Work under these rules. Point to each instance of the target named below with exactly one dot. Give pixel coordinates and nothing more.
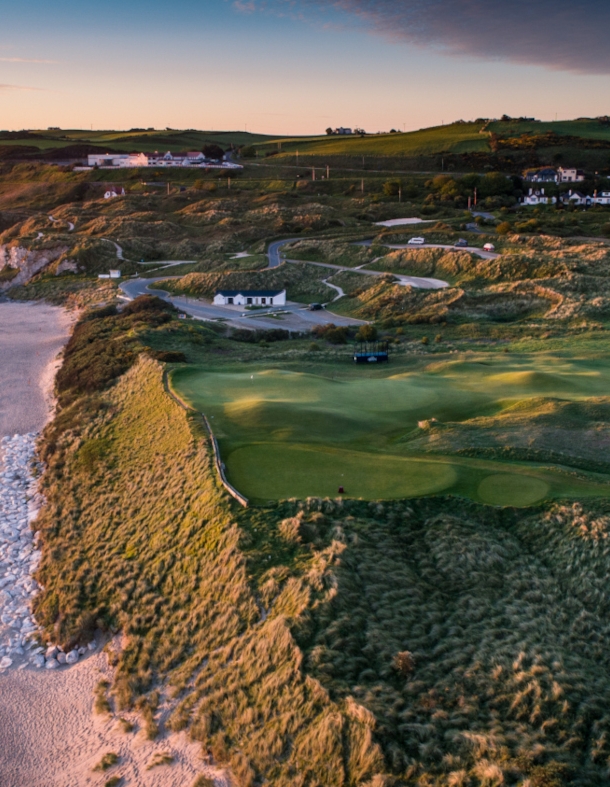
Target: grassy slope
(586, 128)
(456, 138)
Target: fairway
(286, 434)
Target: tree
(329, 131)
(366, 333)
(249, 151)
(213, 152)
(392, 187)
(503, 228)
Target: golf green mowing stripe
(278, 471)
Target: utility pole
(313, 173)
(228, 183)
(327, 172)
(475, 197)
(297, 158)
(168, 188)
(400, 193)
(362, 185)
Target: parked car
(315, 307)
(489, 247)
(416, 241)
(461, 243)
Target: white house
(115, 191)
(570, 175)
(576, 198)
(250, 298)
(538, 197)
(603, 198)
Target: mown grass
(285, 434)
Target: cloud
(567, 35)
(20, 87)
(25, 60)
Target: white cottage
(250, 298)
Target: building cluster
(538, 197)
(138, 160)
(551, 175)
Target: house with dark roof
(545, 175)
(250, 298)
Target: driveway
(292, 317)
(419, 282)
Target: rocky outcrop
(27, 263)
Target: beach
(49, 735)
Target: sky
(295, 67)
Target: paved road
(486, 255)
(273, 252)
(292, 317)
(419, 282)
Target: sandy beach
(49, 735)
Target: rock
(51, 652)
(61, 657)
(92, 645)
(51, 664)
(5, 662)
(72, 657)
(38, 661)
(82, 651)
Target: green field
(286, 434)
(454, 138)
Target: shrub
(424, 340)
(392, 187)
(108, 760)
(203, 781)
(168, 356)
(147, 303)
(366, 333)
(331, 333)
(606, 230)
(404, 663)
(503, 228)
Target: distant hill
(509, 145)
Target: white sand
(49, 736)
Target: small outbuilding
(250, 298)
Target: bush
(391, 188)
(108, 760)
(331, 333)
(168, 356)
(147, 303)
(503, 228)
(366, 333)
(606, 230)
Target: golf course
(285, 433)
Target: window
(263, 300)
(249, 301)
(230, 301)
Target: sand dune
(49, 736)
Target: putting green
(285, 433)
(506, 489)
(277, 471)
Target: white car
(489, 247)
(416, 241)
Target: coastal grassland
(284, 433)
(432, 641)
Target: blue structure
(371, 352)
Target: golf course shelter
(250, 298)
(371, 352)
